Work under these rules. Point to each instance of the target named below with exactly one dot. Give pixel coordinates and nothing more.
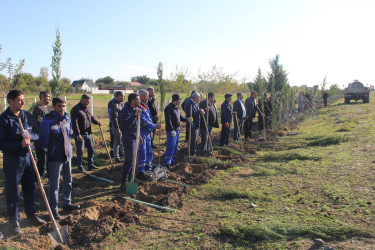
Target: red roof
(136, 84)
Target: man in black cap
(172, 126)
(226, 120)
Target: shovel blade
(55, 238)
(131, 187)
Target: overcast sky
(128, 38)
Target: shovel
(189, 142)
(105, 143)
(58, 235)
(208, 135)
(238, 129)
(132, 186)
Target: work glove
(173, 133)
(227, 124)
(190, 119)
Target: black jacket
(81, 119)
(173, 117)
(226, 113)
(251, 107)
(128, 123)
(213, 119)
(184, 103)
(115, 111)
(38, 114)
(153, 106)
(237, 107)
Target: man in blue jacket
(17, 164)
(194, 119)
(128, 125)
(54, 135)
(145, 153)
(172, 126)
(226, 120)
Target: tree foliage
(105, 82)
(162, 84)
(178, 81)
(259, 82)
(57, 87)
(141, 79)
(12, 70)
(278, 77)
(44, 72)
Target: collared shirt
(243, 108)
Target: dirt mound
(192, 174)
(96, 220)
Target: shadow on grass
(323, 142)
(288, 157)
(245, 235)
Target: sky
(122, 39)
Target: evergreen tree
(56, 84)
(277, 74)
(259, 83)
(161, 84)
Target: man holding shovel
(192, 111)
(239, 109)
(226, 120)
(172, 126)
(55, 134)
(251, 109)
(17, 163)
(128, 126)
(212, 121)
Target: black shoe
(82, 170)
(168, 167)
(93, 167)
(35, 220)
(69, 208)
(117, 160)
(145, 176)
(153, 146)
(56, 215)
(14, 227)
(111, 154)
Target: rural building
(87, 85)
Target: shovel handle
(136, 147)
(42, 189)
(106, 147)
(239, 130)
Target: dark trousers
(86, 142)
(111, 136)
(193, 141)
(187, 131)
(204, 138)
(268, 121)
(41, 157)
(224, 135)
(154, 120)
(129, 146)
(19, 169)
(248, 127)
(237, 133)
(260, 123)
(325, 102)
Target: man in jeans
(81, 124)
(55, 134)
(212, 121)
(38, 114)
(116, 107)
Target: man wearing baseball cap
(172, 126)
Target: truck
(355, 91)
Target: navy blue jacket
(10, 132)
(55, 133)
(128, 122)
(195, 110)
(226, 113)
(251, 107)
(173, 117)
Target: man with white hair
(145, 153)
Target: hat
(228, 95)
(150, 88)
(176, 97)
(265, 94)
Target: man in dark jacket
(172, 126)
(81, 124)
(55, 135)
(240, 114)
(39, 112)
(116, 107)
(226, 120)
(194, 119)
(251, 109)
(128, 126)
(17, 164)
(212, 121)
(183, 106)
(153, 106)
(267, 110)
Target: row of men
(50, 128)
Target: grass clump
(230, 194)
(250, 234)
(228, 151)
(289, 157)
(327, 141)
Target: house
(89, 86)
(126, 90)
